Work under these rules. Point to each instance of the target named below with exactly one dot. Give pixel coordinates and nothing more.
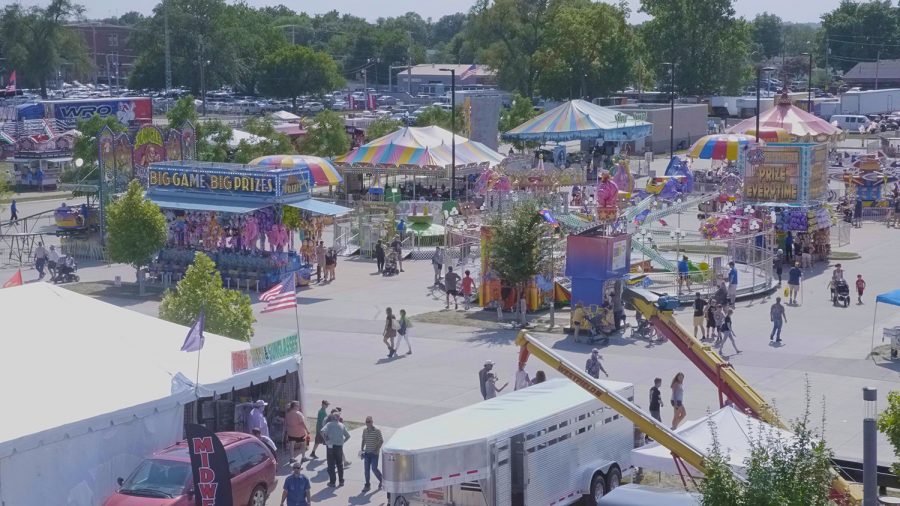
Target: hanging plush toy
(213, 235)
(249, 233)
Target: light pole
(759, 71)
(671, 66)
(452, 129)
(870, 448)
(809, 84)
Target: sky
(797, 11)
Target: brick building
(109, 49)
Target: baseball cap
(488, 362)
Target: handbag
(787, 291)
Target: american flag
(281, 296)
(469, 72)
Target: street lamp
(870, 448)
(759, 71)
(809, 84)
(671, 66)
(452, 129)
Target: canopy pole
(874, 316)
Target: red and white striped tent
(800, 125)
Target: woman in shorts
(678, 400)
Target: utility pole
(870, 448)
(168, 48)
(877, 65)
(452, 130)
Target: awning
(320, 207)
(225, 206)
(892, 298)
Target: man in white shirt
(522, 379)
(52, 261)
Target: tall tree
(136, 228)
(184, 110)
(86, 145)
(326, 136)
(269, 141)
(860, 31)
(768, 34)
(381, 127)
(37, 43)
(227, 312)
(297, 70)
(704, 39)
(521, 110)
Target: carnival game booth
(414, 162)
(96, 388)
(251, 220)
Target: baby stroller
(65, 270)
(840, 293)
(390, 264)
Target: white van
(850, 123)
(548, 444)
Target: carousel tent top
(579, 119)
(421, 146)
(800, 125)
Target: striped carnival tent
(322, 171)
(721, 146)
(800, 125)
(579, 119)
(423, 147)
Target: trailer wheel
(613, 478)
(598, 490)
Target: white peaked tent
(91, 388)
(734, 429)
(285, 116)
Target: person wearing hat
(296, 488)
(482, 377)
(594, 366)
(320, 422)
(335, 434)
(258, 418)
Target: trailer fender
(587, 472)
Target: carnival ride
(733, 389)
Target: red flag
(11, 87)
(15, 280)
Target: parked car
(313, 107)
(340, 105)
(165, 478)
(850, 123)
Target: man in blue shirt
(683, 273)
(732, 282)
(296, 488)
(794, 283)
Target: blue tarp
(892, 298)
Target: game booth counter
(258, 223)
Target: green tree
(227, 312)
(296, 70)
(184, 110)
(326, 136)
(768, 33)
(516, 248)
(270, 142)
(381, 127)
(704, 39)
(86, 145)
(213, 137)
(519, 112)
(889, 424)
(800, 37)
(136, 228)
(846, 31)
(37, 44)
(719, 485)
(438, 116)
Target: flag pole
(202, 325)
(297, 305)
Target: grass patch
(101, 289)
(844, 255)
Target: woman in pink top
(296, 431)
(468, 286)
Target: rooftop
(868, 70)
(430, 69)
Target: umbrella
(322, 171)
(720, 146)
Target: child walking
(860, 288)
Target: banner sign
(229, 179)
(776, 179)
(209, 464)
(261, 355)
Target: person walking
(40, 259)
(857, 212)
(860, 288)
(711, 330)
(258, 417)
(335, 434)
(403, 332)
(468, 289)
(728, 332)
(699, 307)
(52, 261)
(732, 283)
(684, 273)
(778, 317)
(397, 246)
(451, 282)
(296, 490)
(789, 246)
(721, 295)
(437, 263)
(390, 332)
(482, 377)
(321, 416)
(370, 450)
(522, 379)
(379, 255)
(593, 366)
(320, 261)
(719, 317)
(330, 264)
(794, 279)
(490, 386)
(13, 211)
(656, 400)
(778, 264)
(296, 431)
(678, 400)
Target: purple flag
(194, 339)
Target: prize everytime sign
(209, 463)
